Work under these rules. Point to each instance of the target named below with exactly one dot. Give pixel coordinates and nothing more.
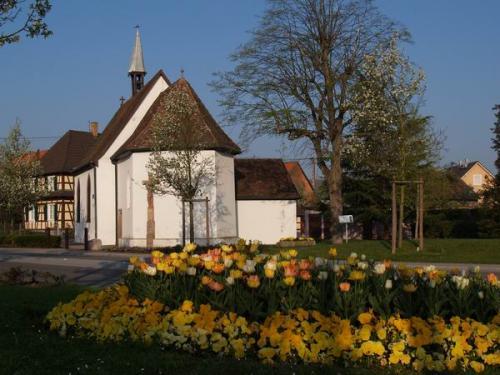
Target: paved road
(98, 268)
(80, 267)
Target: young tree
(176, 165)
(296, 75)
(390, 138)
(18, 171)
(492, 194)
(16, 20)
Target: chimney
(94, 128)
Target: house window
(51, 183)
(88, 199)
(51, 217)
(477, 179)
(31, 214)
(78, 201)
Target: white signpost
(346, 219)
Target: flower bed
(311, 310)
(256, 286)
(434, 344)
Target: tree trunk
(401, 217)
(335, 192)
(191, 222)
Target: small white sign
(346, 219)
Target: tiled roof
(118, 122)
(302, 184)
(67, 153)
(263, 179)
(212, 135)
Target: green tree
(19, 168)
(491, 195)
(18, 17)
(390, 138)
(176, 165)
(296, 77)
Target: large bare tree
(296, 74)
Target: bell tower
(136, 70)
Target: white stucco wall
(82, 224)
(168, 208)
(267, 220)
(105, 170)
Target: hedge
(30, 240)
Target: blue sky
(79, 74)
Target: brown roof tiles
(263, 179)
(67, 153)
(214, 138)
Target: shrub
(31, 240)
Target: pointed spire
(136, 70)
(137, 59)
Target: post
(401, 217)
(417, 212)
(183, 223)
(394, 218)
(191, 221)
(86, 239)
(207, 219)
(346, 234)
(322, 227)
(421, 215)
(66, 238)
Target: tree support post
(421, 214)
(394, 218)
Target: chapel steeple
(136, 70)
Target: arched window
(78, 201)
(88, 199)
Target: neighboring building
(55, 210)
(243, 200)
(266, 200)
(311, 222)
(474, 175)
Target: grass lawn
(26, 347)
(436, 250)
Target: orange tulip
(344, 287)
(215, 286)
(218, 268)
(492, 278)
(305, 275)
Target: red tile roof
(67, 153)
(263, 179)
(214, 138)
(302, 184)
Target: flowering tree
(491, 195)
(296, 76)
(16, 20)
(390, 139)
(176, 165)
(18, 170)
